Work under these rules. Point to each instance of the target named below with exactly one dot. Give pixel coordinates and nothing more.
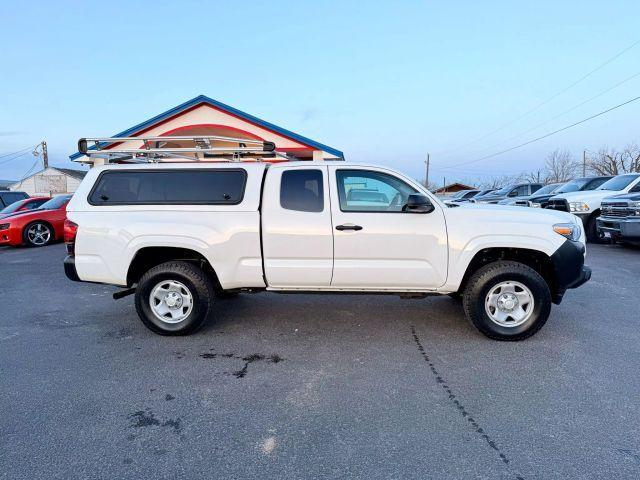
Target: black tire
(485, 279)
(198, 285)
(43, 228)
(592, 231)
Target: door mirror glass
(418, 203)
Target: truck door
(377, 245)
(296, 227)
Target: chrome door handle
(348, 226)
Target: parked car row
(587, 204)
(33, 221)
(467, 196)
(609, 206)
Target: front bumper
(10, 236)
(628, 228)
(569, 268)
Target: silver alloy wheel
(39, 234)
(171, 301)
(509, 304)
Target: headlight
(578, 207)
(535, 205)
(568, 230)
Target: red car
(23, 206)
(36, 228)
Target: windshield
(573, 185)
(503, 191)
(547, 189)
(55, 203)
(460, 194)
(13, 207)
(618, 183)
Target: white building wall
(50, 181)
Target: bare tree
(612, 162)
(536, 176)
(499, 181)
(431, 186)
(560, 166)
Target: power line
(548, 134)
(562, 113)
(544, 102)
(9, 160)
(19, 151)
(29, 171)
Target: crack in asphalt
(458, 405)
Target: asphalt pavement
(315, 386)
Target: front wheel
(174, 298)
(37, 234)
(591, 231)
(507, 300)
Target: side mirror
(418, 203)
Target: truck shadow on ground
(316, 312)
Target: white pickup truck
(180, 235)
(586, 204)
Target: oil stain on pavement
(248, 360)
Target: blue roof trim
(204, 99)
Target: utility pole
(584, 163)
(45, 155)
(426, 178)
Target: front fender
(461, 253)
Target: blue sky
(385, 82)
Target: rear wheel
(507, 300)
(37, 234)
(174, 298)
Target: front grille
(561, 205)
(615, 209)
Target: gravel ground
(315, 386)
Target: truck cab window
(369, 191)
(302, 190)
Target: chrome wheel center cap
(173, 300)
(507, 302)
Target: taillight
(70, 232)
